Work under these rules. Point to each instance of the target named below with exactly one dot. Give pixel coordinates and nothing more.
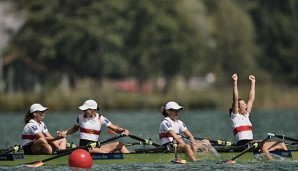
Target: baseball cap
(37, 107)
(89, 104)
(173, 105)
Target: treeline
(149, 39)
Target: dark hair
(231, 109)
(163, 111)
(28, 117)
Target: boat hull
(117, 158)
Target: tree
(233, 37)
(277, 35)
(72, 37)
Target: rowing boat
(152, 155)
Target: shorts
(84, 142)
(27, 148)
(243, 142)
(170, 146)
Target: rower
(242, 127)
(171, 128)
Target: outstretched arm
(251, 95)
(235, 93)
(71, 130)
(119, 130)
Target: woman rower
(171, 128)
(36, 138)
(242, 127)
(89, 123)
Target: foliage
(150, 39)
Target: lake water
(210, 124)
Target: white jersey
(90, 127)
(31, 128)
(168, 124)
(242, 126)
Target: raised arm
(235, 93)
(251, 95)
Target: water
(208, 124)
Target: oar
(41, 162)
(149, 142)
(254, 145)
(12, 149)
(285, 137)
(176, 159)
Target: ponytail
(163, 111)
(28, 117)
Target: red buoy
(80, 159)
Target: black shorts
(27, 148)
(243, 142)
(84, 142)
(169, 146)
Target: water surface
(212, 124)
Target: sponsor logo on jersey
(34, 127)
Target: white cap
(37, 107)
(89, 104)
(173, 105)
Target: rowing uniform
(29, 132)
(168, 124)
(90, 127)
(31, 128)
(242, 127)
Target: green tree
(73, 37)
(276, 24)
(232, 49)
(164, 39)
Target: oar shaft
(218, 142)
(6, 152)
(240, 154)
(143, 140)
(13, 149)
(286, 138)
(249, 148)
(70, 151)
(111, 139)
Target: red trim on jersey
(242, 128)
(29, 137)
(90, 131)
(164, 135)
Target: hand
(235, 77)
(125, 132)
(61, 134)
(252, 78)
